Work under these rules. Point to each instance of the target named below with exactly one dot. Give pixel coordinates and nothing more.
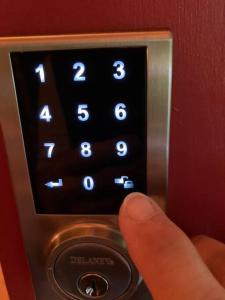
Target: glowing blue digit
(120, 111)
(86, 149)
(83, 114)
(40, 70)
(121, 148)
(80, 67)
(120, 70)
(45, 114)
(88, 183)
(50, 147)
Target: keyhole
(92, 290)
(93, 285)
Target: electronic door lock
(89, 118)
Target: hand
(173, 267)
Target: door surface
(197, 161)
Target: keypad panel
(83, 115)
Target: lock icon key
(128, 184)
(125, 182)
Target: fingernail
(138, 207)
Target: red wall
(197, 152)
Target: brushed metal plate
(38, 230)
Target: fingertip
(127, 200)
(137, 207)
(162, 252)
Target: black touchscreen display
(83, 115)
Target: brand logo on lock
(81, 260)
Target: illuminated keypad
(83, 116)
